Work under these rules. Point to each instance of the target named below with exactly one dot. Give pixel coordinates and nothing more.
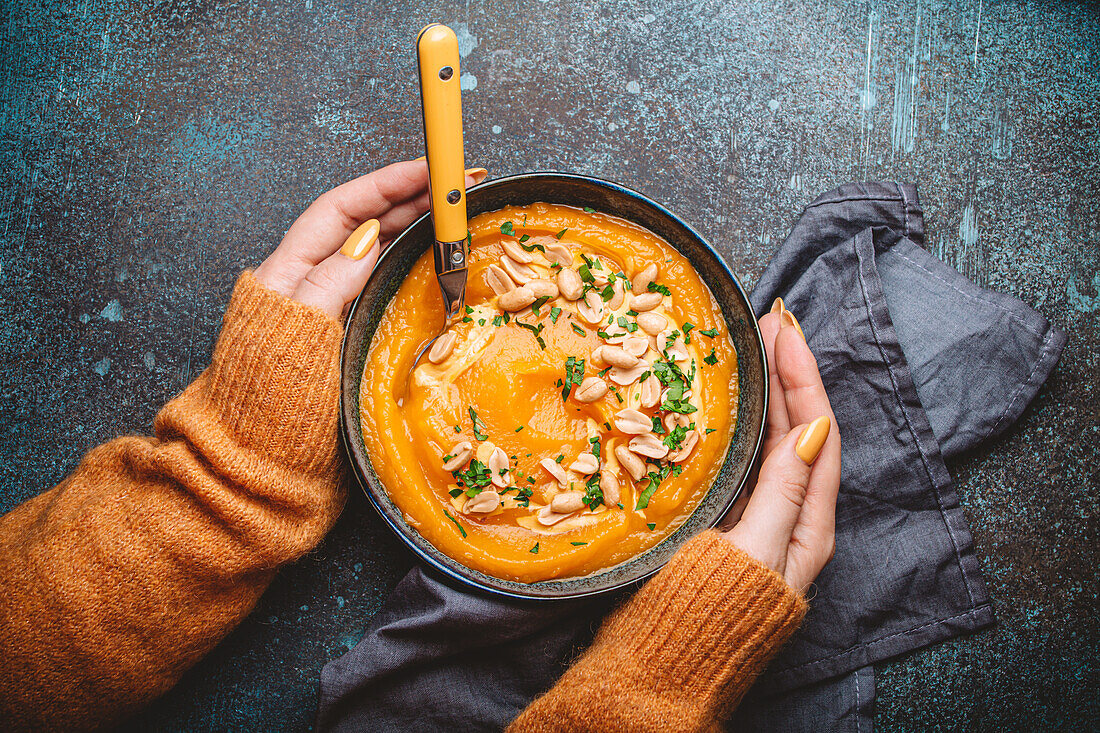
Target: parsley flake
(455, 521)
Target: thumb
(335, 281)
(765, 529)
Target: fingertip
(812, 439)
(362, 240)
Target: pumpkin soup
(577, 413)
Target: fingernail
(361, 241)
(812, 439)
(478, 174)
(786, 318)
(777, 306)
(422, 157)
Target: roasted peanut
(652, 323)
(512, 249)
(641, 281)
(498, 468)
(460, 453)
(516, 300)
(498, 280)
(651, 391)
(633, 465)
(518, 271)
(624, 377)
(646, 301)
(568, 502)
(543, 288)
(633, 422)
(681, 454)
(586, 464)
(485, 502)
(559, 254)
(590, 390)
(442, 347)
(616, 356)
(569, 284)
(553, 468)
(648, 445)
(609, 485)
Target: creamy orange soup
(574, 417)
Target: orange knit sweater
(117, 580)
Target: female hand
(789, 520)
(318, 265)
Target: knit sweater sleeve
(681, 653)
(117, 580)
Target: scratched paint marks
(903, 126)
(1002, 134)
(868, 95)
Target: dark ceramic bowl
(580, 191)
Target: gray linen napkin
(919, 362)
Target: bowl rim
(452, 573)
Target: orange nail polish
(478, 174)
(812, 439)
(362, 240)
(777, 306)
(422, 157)
(786, 318)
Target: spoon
(437, 58)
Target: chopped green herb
(524, 238)
(675, 438)
(560, 458)
(654, 480)
(554, 313)
(712, 332)
(534, 550)
(537, 330)
(458, 428)
(561, 234)
(586, 274)
(652, 525)
(688, 325)
(478, 424)
(519, 428)
(632, 312)
(608, 292)
(593, 494)
(469, 310)
(507, 229)
(454, 492)
(476, 477)
(531, 247)
(578, 544)
(656, 288)
(587, 210)
(467, 319)
(498, 321)
(539, 302)
(710, 430)
(481, 321)
(578, 329)
(574, 375)
(658, 427)
(711, 358)
(455, 521)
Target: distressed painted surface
(151, 151)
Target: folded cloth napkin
(919, 364)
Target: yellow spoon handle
(437, 56)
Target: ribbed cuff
(274, 378)
(709, 622)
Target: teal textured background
(150, 151)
